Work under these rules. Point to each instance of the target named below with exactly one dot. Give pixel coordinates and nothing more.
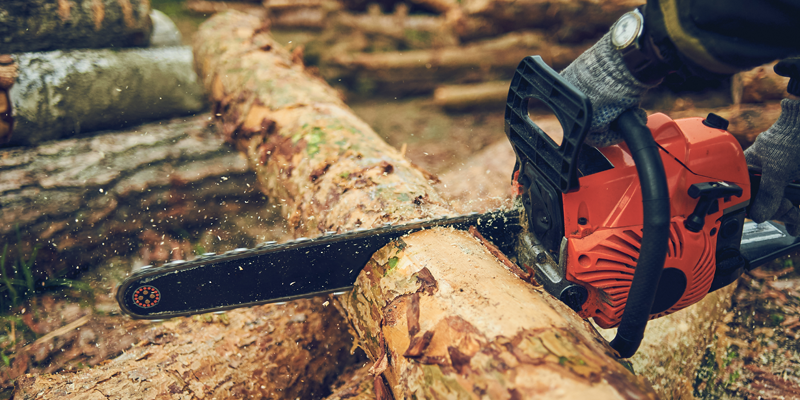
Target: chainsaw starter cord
(655, 232)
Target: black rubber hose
(655, 233)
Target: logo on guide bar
(146, 296)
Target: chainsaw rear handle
(556, 164)
(655, 232)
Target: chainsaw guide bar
(273, 272)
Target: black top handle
(557, 163)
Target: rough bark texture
(83, 201)
(62, 94)
(421, 71)
(266, 352)
(41, 25)
(758, 85)
(565, 20)
(328, 168)
(446, 330)
(443, 319)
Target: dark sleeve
(726, 36)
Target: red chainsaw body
(603, 219)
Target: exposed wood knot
(319, 171)
(459, 360)
(428, 284)
(421, 199)
(418, 345)
(386, 167)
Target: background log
(40, 25)
(462, 97)
(747, 120)
(421, 71)
(758, 85)
(84, 201)
(330, 168)
(62, 94)
(273, 351)
(8, 75)
(566, 21)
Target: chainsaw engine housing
(603, 219)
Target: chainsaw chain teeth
(269, 246)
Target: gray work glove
(602, 75)
(777, 152)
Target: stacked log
(84, 201)
(42, 25)
(89, 79)
(392, 48)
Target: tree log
(62, 94)
(421, 71)
(567, 21)
(273, 351)
(84, 201)
(444, 330)
(211, 7)
(461, 97)
(747, 120)
(410, 31)
(8, 75)
(758, 85)
(41, 25)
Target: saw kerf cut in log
(330, 170)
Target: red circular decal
(146, 296)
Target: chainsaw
(621, 234)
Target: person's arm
(708, 38)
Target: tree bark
(436, 312)
(421, 71)
(8, 75)
(83, 201)
(758, 85)
(567, 21)
(41, 25)
(273, 351)
(62, 94)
